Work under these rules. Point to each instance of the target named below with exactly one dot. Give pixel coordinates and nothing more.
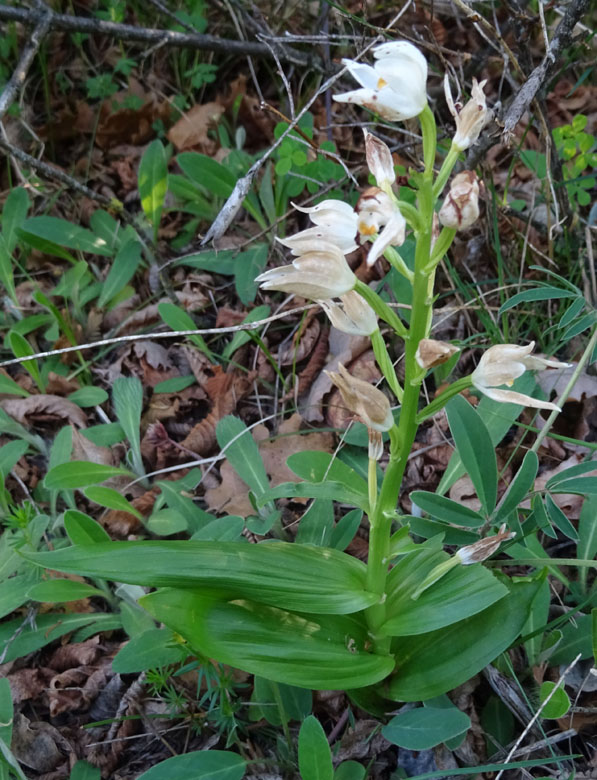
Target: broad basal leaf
(433, 663)
(306, 579)
(463, 591)
(303, 650)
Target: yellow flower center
(367, 230)
(381, 83)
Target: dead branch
(129, 32)
(528, 91)
(17, 79)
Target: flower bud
(471, 119)
(431, 353)
(363, 399)
(461, 206)
(484, 548)
(354, 316)
(379, 160)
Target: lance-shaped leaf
(307, 579)
(431, 664)
(308, 651)
(463, 591)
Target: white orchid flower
(395, 86)
(335, 222)
(502, 364)
(469, 119)
(320, 272)
(353, 315)
(376, 210)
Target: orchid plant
(414, 621)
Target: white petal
(392, 235)
(402, 50)
(512, 397)
(364, 74)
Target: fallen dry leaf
(232, 495)
(84, 449)
(190, 132)
(44, 408)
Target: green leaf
(10, 454)
(221, 529)
(350, 770)
(123, 269)
(14, 593)
(80, 474)
(84, 771)
(462, 592)
(82, 529)
(208, 173)
(153, 183)
(309, 579)
(88, 396)
(112, 499)
(64, 234)
(538, 617)
(574, 471)
(10, 387)
(56, 591)
(316, 525)
(558, 705)
(242, 453)
(576, 638)
(19, 638)
(296, 702)
(431, 664)
(303, 650)
(149, 650)
(165, 522)
(346, 529)
(446, 510)
(242, 336)
(474, 445)
(178, 319)
(425, 727)
(336, 491)
(314, 754)
(536, 294)
(199, 765)
(6, 711)
(175, 385)
(558, 517)
(586, 547)
(498, 418)
(519, 487)
(579, 485)
(20, 347)
(316, 466)
(249, 264)
(127, 399)
(498, 723)
(14, 214)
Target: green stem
(372, 483)
(385, 363)
(381, 308)
(403, 436)
(429, 131)
(445, 171)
